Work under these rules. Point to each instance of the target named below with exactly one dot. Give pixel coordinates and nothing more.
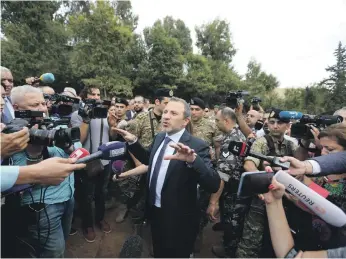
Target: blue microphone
(290, 115)
(114, 150)
(47, 78)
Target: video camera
(233, 99)
(45, 134)
(301, 129)
(94, 109)
(60, 105)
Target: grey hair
(4, 69)
(43, 88)
(187, 111)
(18, 93)
(229, 113)
(343, 109)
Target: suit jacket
(179, 191)
(332, 163)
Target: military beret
(275, 113)
(163, 92)
(197, 101)
(121, 100)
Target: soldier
(138, 104)
(206, 130)
(255, 232)
(229, 168)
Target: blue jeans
(56, 227)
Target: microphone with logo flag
(118, 167)
(114, 150)
(79, 153)
(46, 78)
(132, 247)
(243, 150)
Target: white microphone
(323, 208)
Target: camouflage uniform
(255, 232)
(141, 127)
(230, 168)
(207, 131)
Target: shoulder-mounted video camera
(233, 99)
(45, 134)
(62, 104)
(302, 129)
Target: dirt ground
(109, 245)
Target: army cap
(197, 101)
(274, 114)
(163, 92)
(121, 100)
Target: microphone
(118, 167)
(323, 208)
(114, 150)
(79, 153)
(132, 247)
(243, 150)
(288, 115)
(47, 78)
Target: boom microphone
(290, 115)
(323, 208)
(242, 149)
(114, 150)
(132, 248)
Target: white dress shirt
(164, 166)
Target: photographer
(44, 213)
(92, 182)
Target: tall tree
(35, 42)
(337, 79)
(214, 41)
(123, 10)
(100, 51)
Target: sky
(292, 39)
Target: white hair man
(7, 84)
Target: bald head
(252, 117)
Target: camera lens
(42, 137)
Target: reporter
(280, 234)
(14, 142)
(59, 169)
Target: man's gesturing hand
(184, 153)
(52, 171)
(125, 134)
(14, 142)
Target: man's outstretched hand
(125, 134)
(184, 153)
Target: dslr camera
(301, 129)
(233, 99)
(94, 109)
(45, 134)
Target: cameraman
(93, 133)
(44, 213)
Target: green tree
(214, 41)
(123, 10)
(100, 49)
(337, 79)
(35, 41)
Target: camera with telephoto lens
(45, 134)
(94, 109)
(60, 104)
(302, 129)
(233, 99)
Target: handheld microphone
(79, 153)
(323, 208)
(118, 167)
(288, 115)
(47, 78)
(242, 149)
(132, 247)
(114, 150)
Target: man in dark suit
(177, 163)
